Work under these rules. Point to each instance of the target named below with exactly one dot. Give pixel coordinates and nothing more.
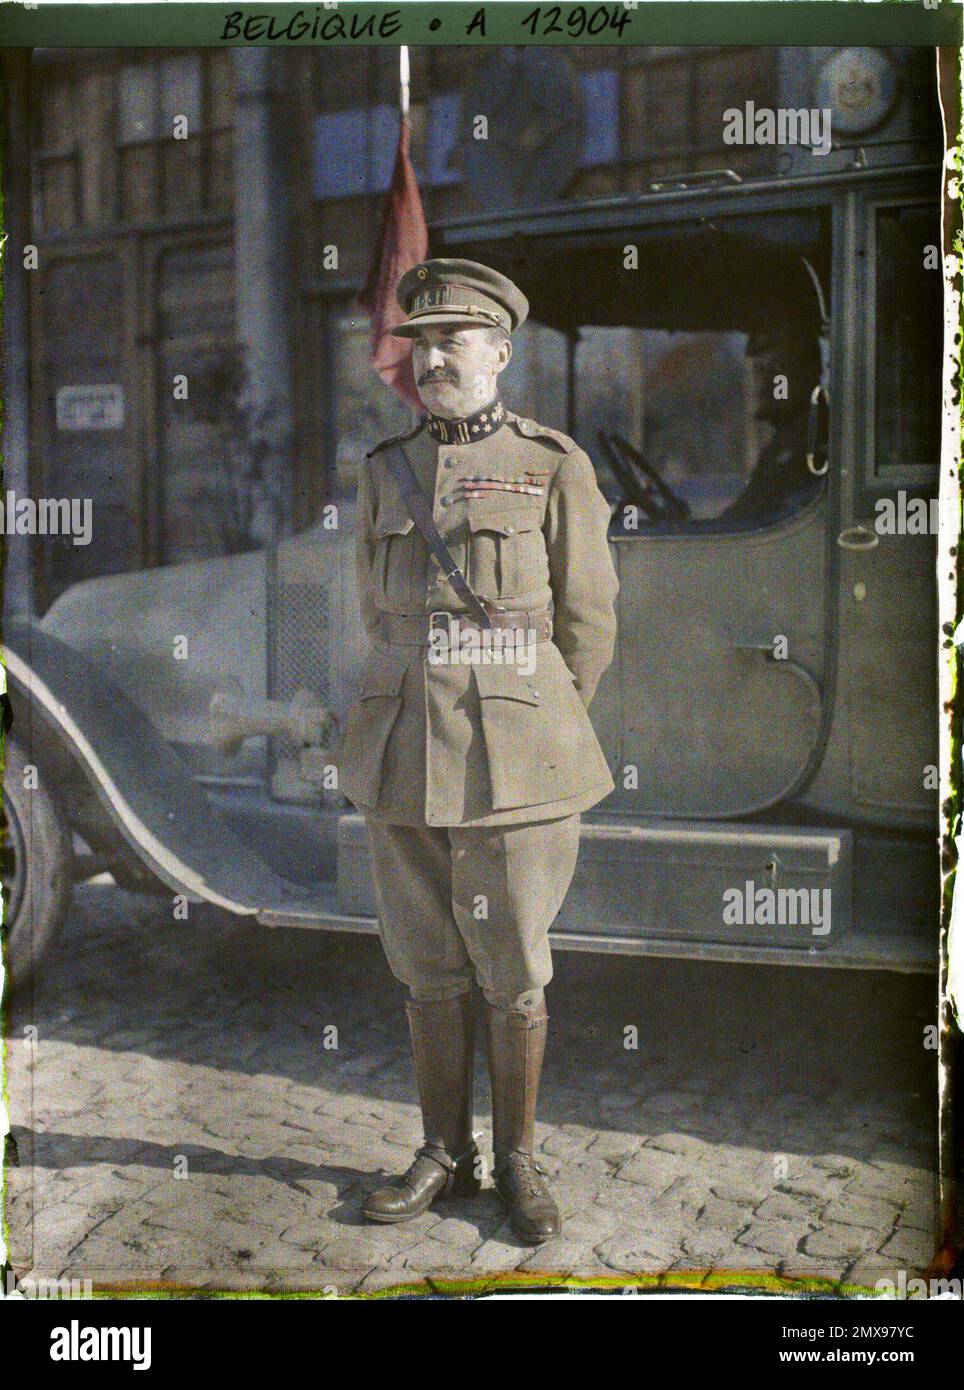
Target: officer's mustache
(428, 377)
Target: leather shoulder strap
(421, 514)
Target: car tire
(36, 866)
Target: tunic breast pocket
(507, 554)
(393, 566)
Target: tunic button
(449, 462)
(510, 530)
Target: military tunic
(481, 744)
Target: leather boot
(443, 1037)
(516, 1044)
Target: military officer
(472, 774)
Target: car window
(908, 338)
(688, 377)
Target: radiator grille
(313, 618)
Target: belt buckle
(433, 626)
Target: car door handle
(858, 538)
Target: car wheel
(36, 865)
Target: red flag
(402, 243)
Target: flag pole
(404, 75)
(403, 79)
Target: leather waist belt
(419, 629)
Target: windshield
(691, 376)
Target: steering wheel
(632, 491)
(641, 482)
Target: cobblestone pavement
(207, 1102)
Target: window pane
(680, 398)
(136, 112)
(59, 186)
(908, 343)
(220, 88)
(601, 88)
(354, 151)
(58, 114)
(340, 152)
(181, 93)
(365, 409)
(138, 183)
(444, 119)
(89, 450)
(534, 382)
(208, 467)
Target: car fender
(146, 789)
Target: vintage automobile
(754, 367)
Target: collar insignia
(477, 426)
